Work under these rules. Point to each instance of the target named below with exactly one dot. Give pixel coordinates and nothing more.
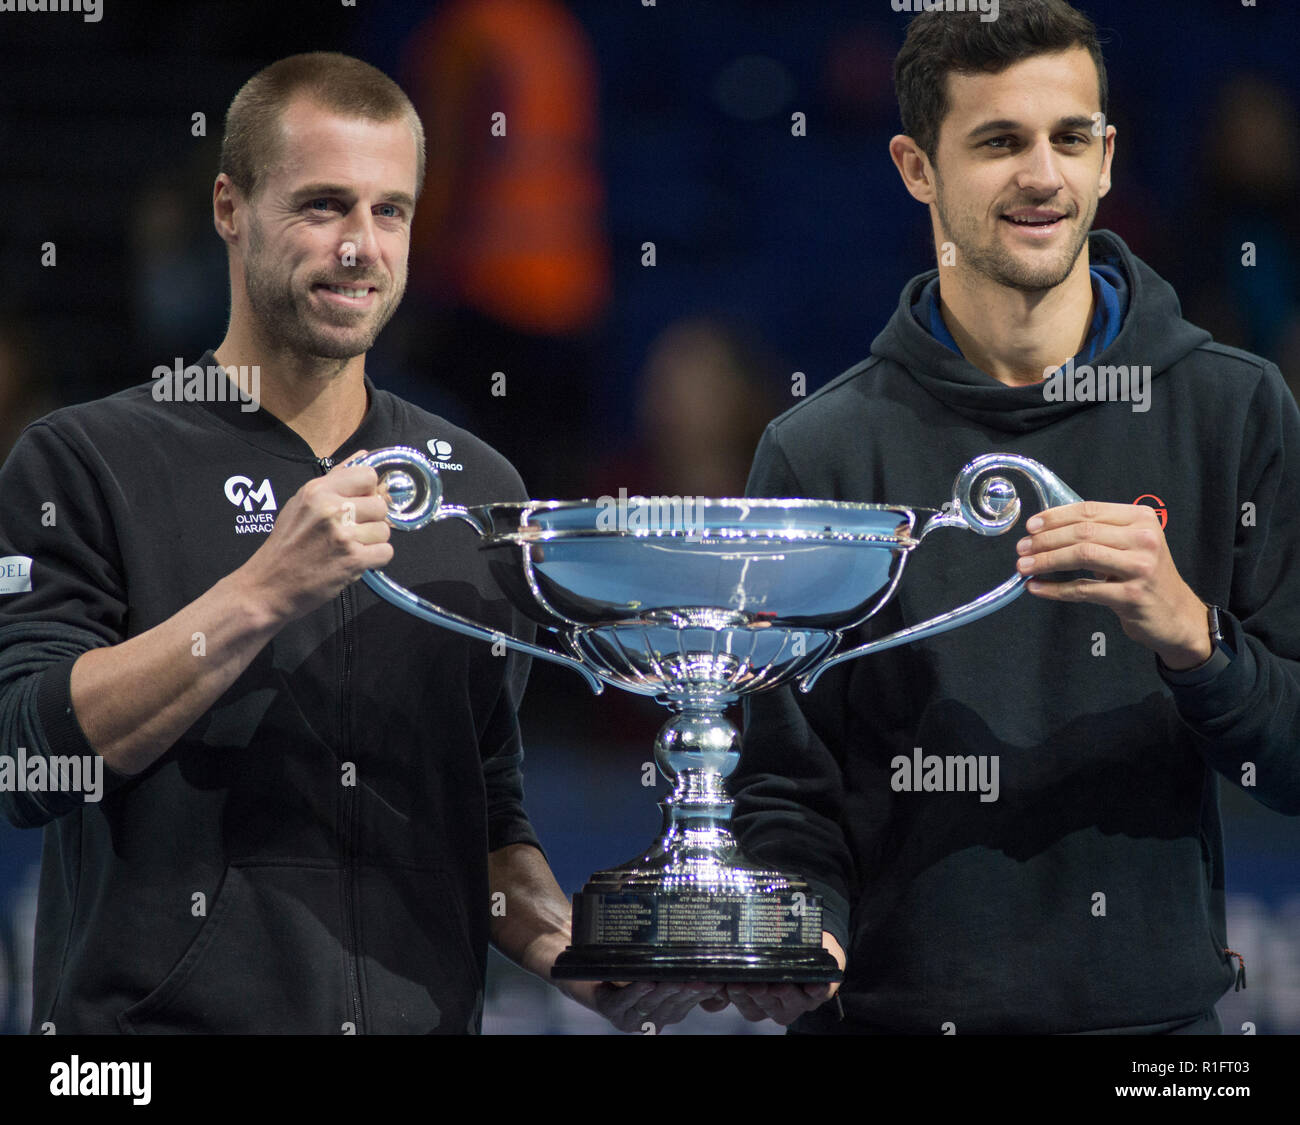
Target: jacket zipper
(348, 828)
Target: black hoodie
(311, 855)
(1089, 895)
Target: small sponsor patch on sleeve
(15, 574)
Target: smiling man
(1089, 897)
(312, 815)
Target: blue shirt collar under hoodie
(1151, 332)
(1108, 287)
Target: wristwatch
(1221, 655)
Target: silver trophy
(697, 609)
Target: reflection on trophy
(696, 603)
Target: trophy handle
(414, 501)
(995, 509)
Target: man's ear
(914, 167)
(228, 206)
(1107, 161)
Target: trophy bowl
(698, 602)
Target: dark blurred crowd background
(649, 255)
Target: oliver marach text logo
(257, 505)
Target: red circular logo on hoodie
(1158, 505)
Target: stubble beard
(286, 319)
(999, 265)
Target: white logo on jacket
(441, 451)
(240, 492)
(15, 574)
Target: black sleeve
(501, 743)
(54, 525)
(789, 785)
(503, 756)
(1247, 716)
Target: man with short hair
(311, 814)
(1086, 894)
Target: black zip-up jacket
(311, 855)
(1089, 895)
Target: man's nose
(1041, 170)
(358, 246)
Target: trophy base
(630, 926)
(712, 966)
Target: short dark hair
(939, 43)
(250, 145)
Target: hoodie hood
(1154, 334)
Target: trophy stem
(695, 751)
(697, 820)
